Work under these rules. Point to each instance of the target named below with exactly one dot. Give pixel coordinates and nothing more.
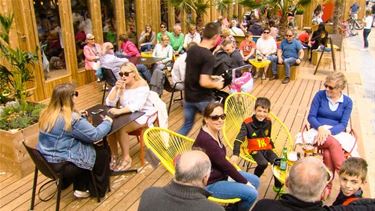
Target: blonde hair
(225, 32)
(339, 79)
(107, 46)
(61, 103)
(131, 67)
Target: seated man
(306, 183)
(235, 55)
(110, 61)
(290, 53)
(179, 67)
(187, 189)
(177, 39)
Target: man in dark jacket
(306, 183)
(187, 190)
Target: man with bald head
(187, 189)
(306, 182)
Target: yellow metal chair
(239, 106)
(166, 145)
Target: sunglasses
(75, 93)
(163, 27)
(266, 32)
(126, 74)
(329, 87)
(288, 35)
(216, 117)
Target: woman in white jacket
(132, 94)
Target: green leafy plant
(15, 72)
(198, 6)
(278, 7)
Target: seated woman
(240, 184)
(128, 48)
(329, 115)
(131, 92)
(147, 39)
(66, 141)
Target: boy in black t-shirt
(257, 130)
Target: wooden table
(96, 114)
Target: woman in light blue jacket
(67, 140)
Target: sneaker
(256, 75)
(274, 77)
(286, 80)
(81, 194)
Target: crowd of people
(202, 58)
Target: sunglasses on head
(126, 74)
(216, 117)
(329, 87)
(75, 93)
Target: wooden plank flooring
(290, 103)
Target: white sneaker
(81, 194)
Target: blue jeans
(273, 59)
(144, 71)
(229, 189)
(287, 63)
(366, 32)
(190, 109)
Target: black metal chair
(109, 80)
(45, 168)
(172, 89)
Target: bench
(281, 71)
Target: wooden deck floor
(290, 103)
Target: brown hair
(263, 102)
(124, 38)
(354, 166)
(210, 108)
(210, 30)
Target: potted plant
(18, 117)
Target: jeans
(190, 109)
(262, 158)
(144, 71)
(273, 59)
(366, 32)
(287, 63)
(231, 189)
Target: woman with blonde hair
(131, 93)
(66, 141)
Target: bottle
(284, 159)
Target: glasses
(126, 74)
(75, 93)
(92, 39)
(289, 35)
(266, 32)
(329, 87)
(216, 117)
(163, 27)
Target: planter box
(13, 155)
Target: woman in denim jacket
(69, 147)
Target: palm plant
(222, 5)
(198, 6)
(281, 7)
(15, 72)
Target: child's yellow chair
(239, 106)
(166, 145)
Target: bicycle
(354, 24)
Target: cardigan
(176, 196)
(221, 168)
(320, 113)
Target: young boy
(352, 177)
(257, 130)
